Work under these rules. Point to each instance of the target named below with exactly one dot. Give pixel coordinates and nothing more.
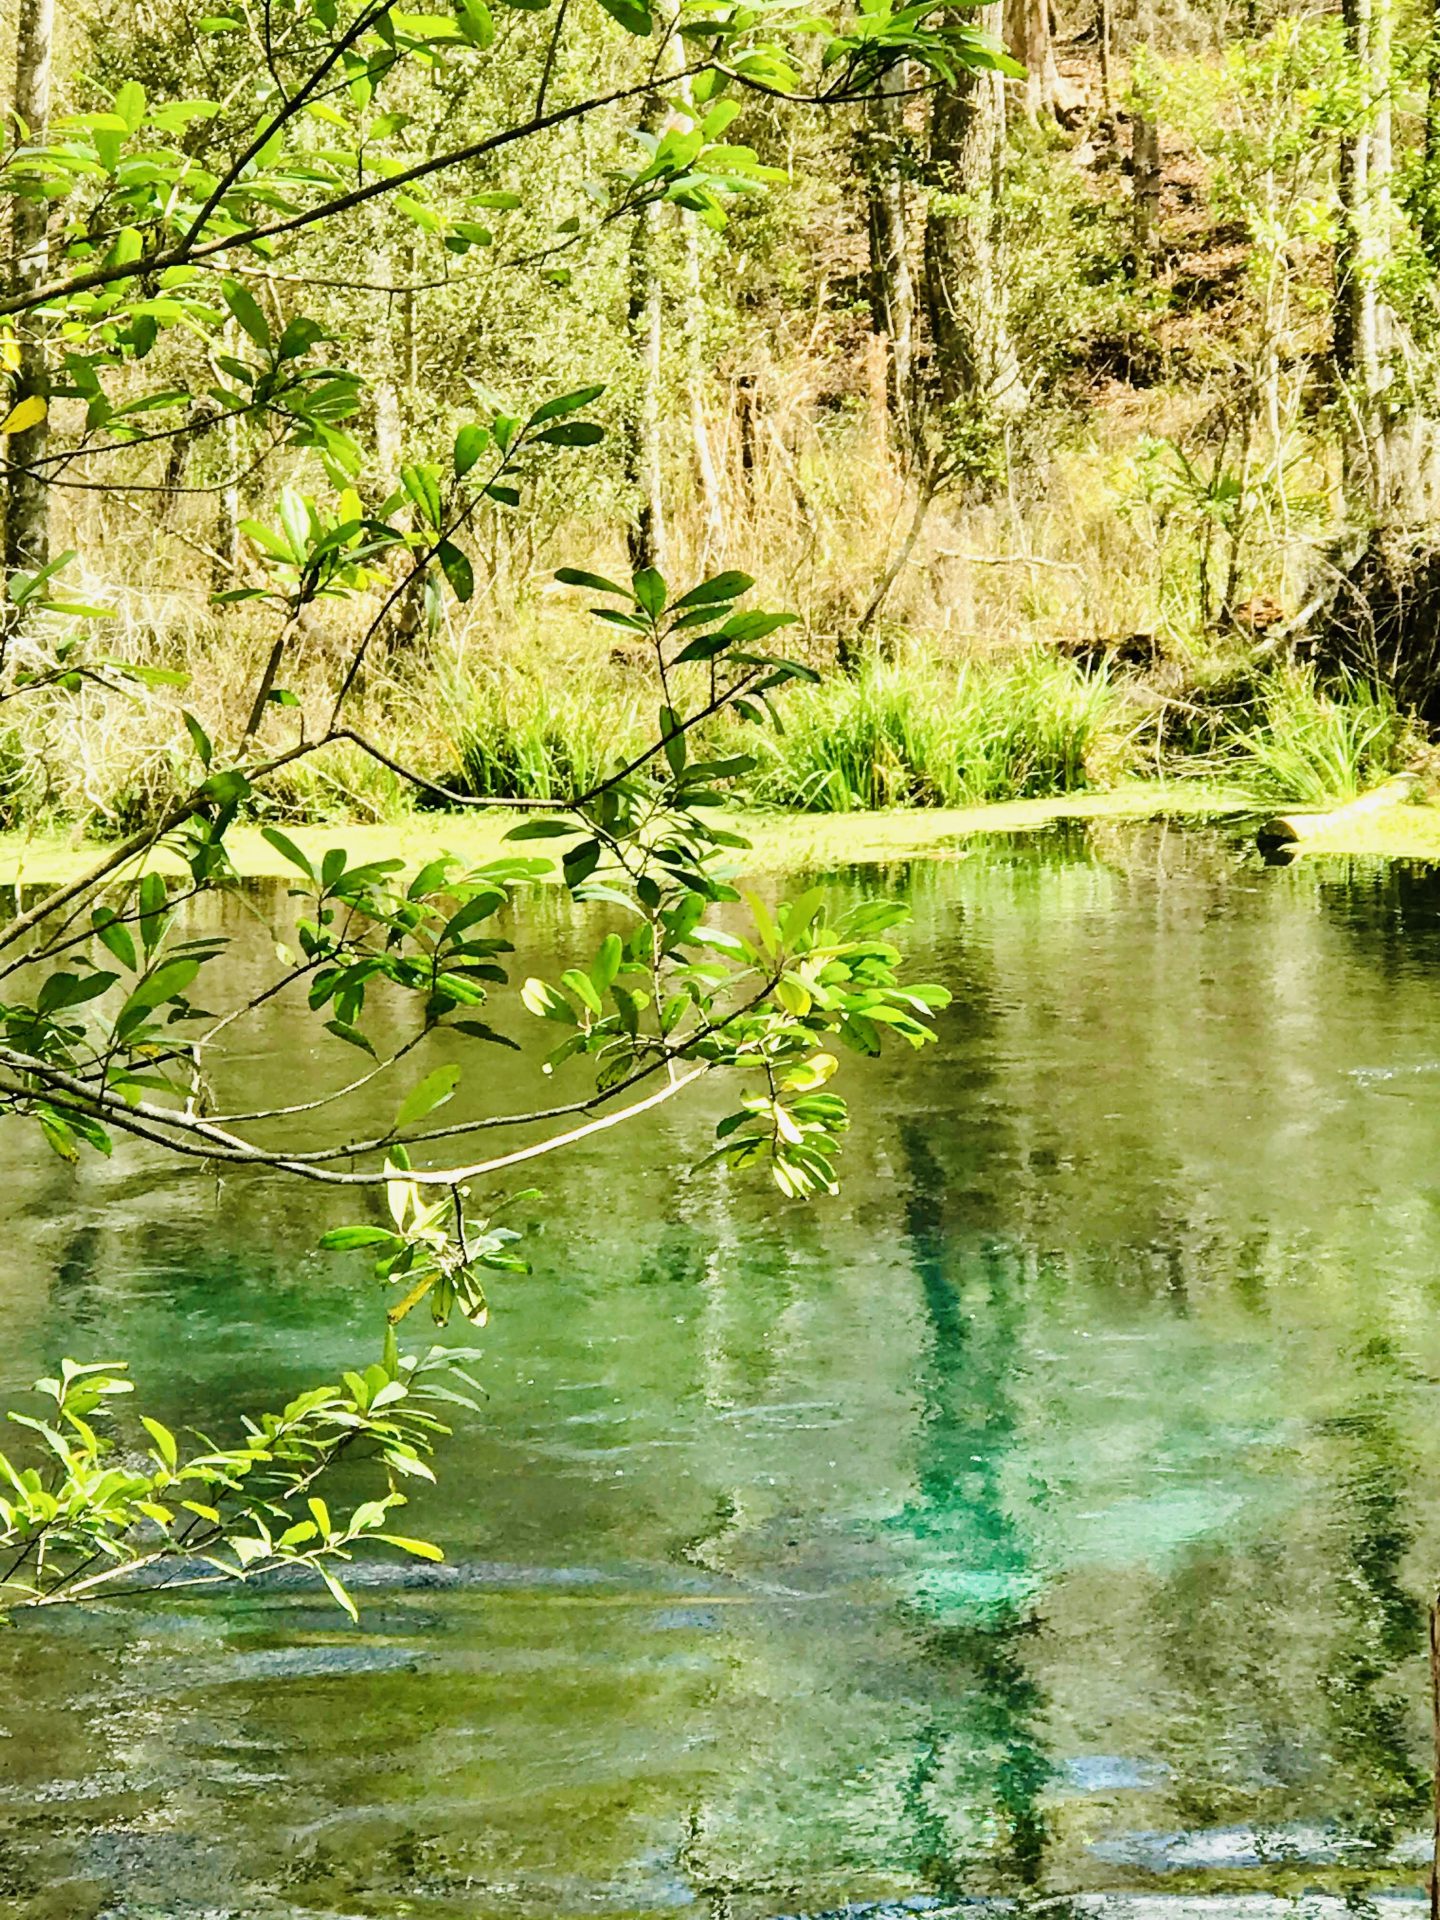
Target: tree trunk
(892, 285)
(1430, 163)
(1361, 323)
(643, 444)
(27, 517)
(1146, 176)
(1145, 168)
(1102, 36)
(1028, 36)
(706, 470)
(975, 361)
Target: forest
(1078, 404)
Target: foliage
(94, 1517)
(895, 736)
(1315, 745)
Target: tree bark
(1360, 321)
(1145, 167)
(27, 515)
(707, 472)
(892, 284)
(1028, 36)
(975, 360)
(646, 321)
(1430, 163)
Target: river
(1053, 1512)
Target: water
(1052, 1513)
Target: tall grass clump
(519, 736)
(913, 735)
(1315, 744)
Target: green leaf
(583, 988)
(649, 590)
(433, 1091)
(344, 1239)
(458, 570)
(115, 936)
(246, 309)
(201, 740)
(164, 1440)
(595, 582)
(573, 433)
(566, 403)
(130, 105)
(724, 586)
(422, 1549)
(673, 736)
(470, 443)
(476, 22)
(337, 1591)
(542, 830)
(631, 15)
(62, 990)
(606, 963)
(423, 487)
(152, 901)
(541, 998)
(288, 850)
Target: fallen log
(1286, 829)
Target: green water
(1052, 1512)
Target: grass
(908, 735)
(1312, 746)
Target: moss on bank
(1410, 832)
(790, 840)
(779, 840)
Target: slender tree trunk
(975, 359)
(892, 285)
(646, 317)
(1028, 36)
(1145, 167)
(394, 350)
(1102, 36)
(1430, 164)
(706, 471)
(27, 518)
(1360, 321)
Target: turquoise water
(1051, 1513)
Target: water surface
(1051, 1513)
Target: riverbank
(778, 840)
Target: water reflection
(980, 1765)
(1049, 1514)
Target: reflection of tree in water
(1372, 1702)
(973, 1794)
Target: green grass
(528, 737)
(917, 736)
(1311, 746)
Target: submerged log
(1286, 829)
